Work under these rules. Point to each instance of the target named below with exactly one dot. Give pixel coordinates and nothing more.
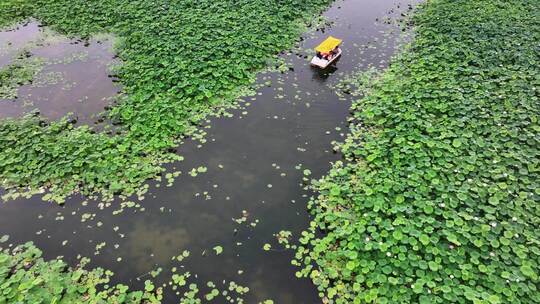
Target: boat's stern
(319, 62)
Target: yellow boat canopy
(329, 44)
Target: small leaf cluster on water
(20, 72)
(438, 199)
(25, 277)
(182, 61)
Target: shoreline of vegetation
(438, 197)
(182, 62)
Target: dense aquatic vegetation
(181, 61)
(25, 277)
(438, 198)
(36, 154)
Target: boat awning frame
(328, 45)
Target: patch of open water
(254, 167)
(74, 77)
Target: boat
(327, 52)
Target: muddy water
(74, 79)
(255, 162)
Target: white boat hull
(323, 63)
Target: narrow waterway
(252, 187)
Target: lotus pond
(178, 143)
(219, 218)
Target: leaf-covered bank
(26, 277)
(438, 198)
(181, 61)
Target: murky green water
(254, 164)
